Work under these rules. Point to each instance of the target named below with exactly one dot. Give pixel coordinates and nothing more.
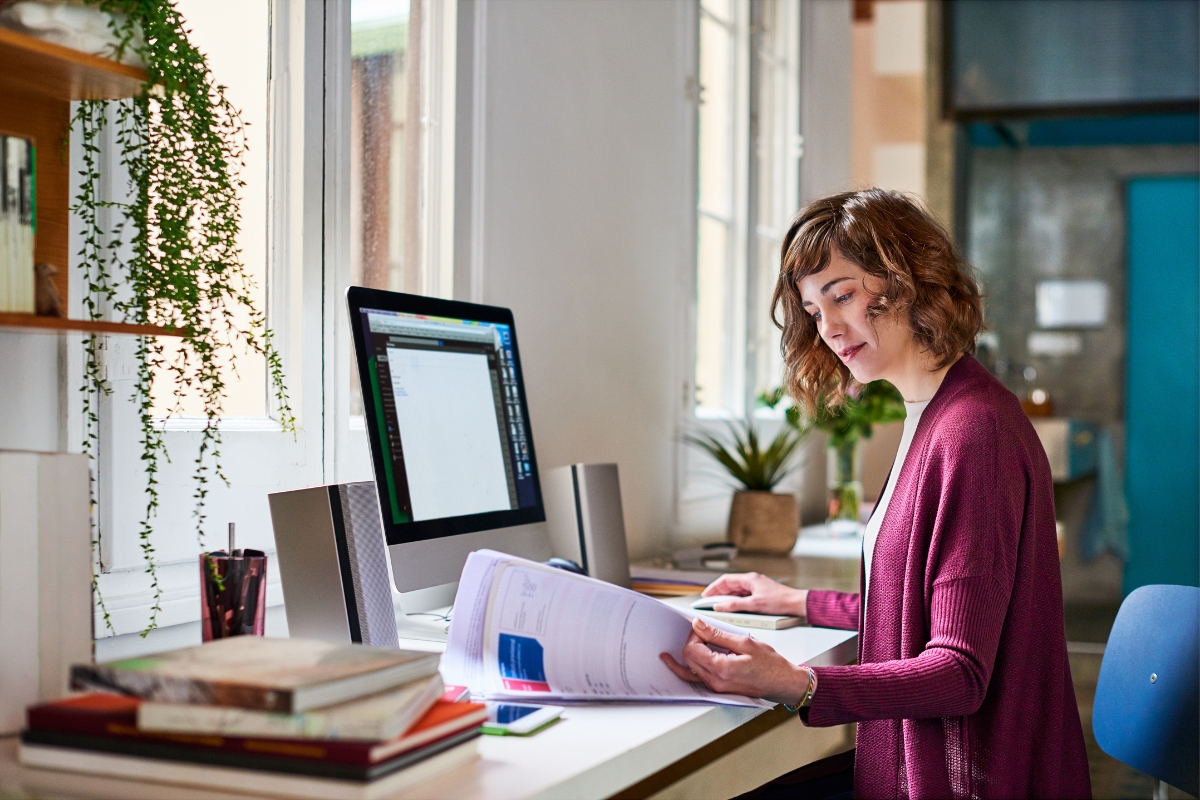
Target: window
(402, 67)
(748, 152)
(256, 456)
(748, 176)
(349, 154)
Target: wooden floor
(1111, 779)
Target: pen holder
(233, 598)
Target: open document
(524, 631)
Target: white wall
(29, 392)
(825, 27)
(588, 231)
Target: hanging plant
(171, 258)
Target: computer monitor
(448, 424)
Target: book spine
(166, 689)
(237, 722)
(243, 780)
(267, 760)
(124, 727)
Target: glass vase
(844, 470)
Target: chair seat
(1147, 709)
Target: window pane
(237, 56)
(768, 366)
(384, 158)
(716, 116)
(713, 318)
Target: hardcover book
(372, 718)
(236, 779)
(108, 722)
(282, 675)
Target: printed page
(462, 664)
(550, 635)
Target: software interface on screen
(448, 413)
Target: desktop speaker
(333, 562)
(585, 521)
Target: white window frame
(703, 491)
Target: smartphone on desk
(515, 719)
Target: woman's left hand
(750, 667)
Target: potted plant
(759, 519)
(846, 422)
(168, 255)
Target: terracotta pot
(764, 522)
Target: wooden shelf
(34, 324)
(38, 81)
(29, 65)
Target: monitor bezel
(359, 298)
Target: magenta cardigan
(962, 687)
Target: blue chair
(1147, 710)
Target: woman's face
(837, 299)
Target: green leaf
(854, 417)
(741, 455)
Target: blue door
(1162, 408)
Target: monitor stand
(424, 615)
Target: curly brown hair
(895, 239)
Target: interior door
(1162, 408)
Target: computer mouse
(566, 564)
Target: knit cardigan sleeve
(833, 610)
(969, 513)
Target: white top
(914, 411)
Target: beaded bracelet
(809, 689)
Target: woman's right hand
(759, 594)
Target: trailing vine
(171, 256)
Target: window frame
(703, 496)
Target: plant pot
(764, 522)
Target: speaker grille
(368, 560)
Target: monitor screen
(445, 413)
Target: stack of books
(272, 716)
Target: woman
(962, 687)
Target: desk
(596, 751)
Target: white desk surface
(594, 752)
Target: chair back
(1147, 709)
